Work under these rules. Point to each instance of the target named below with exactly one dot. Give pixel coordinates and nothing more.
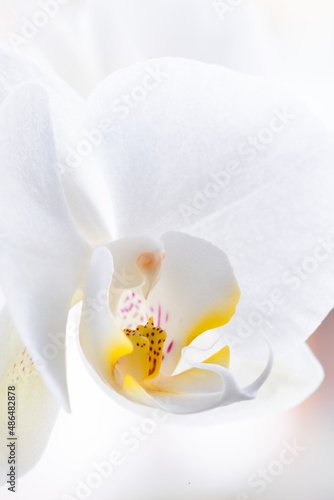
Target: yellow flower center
(145, 360)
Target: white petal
(35, 408)
(192, 401)
(197, 291)
(184, 148)
(294, 377)
(101, 339)
(43, 258)
(81, 182)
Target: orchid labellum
(136, 349)
(151, 279)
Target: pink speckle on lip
(159, 315)
(128, 298)
(127, 309)
(133, 294)
(170, 346)
(23, 369)
(167, 316)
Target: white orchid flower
(182, 131)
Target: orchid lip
(231, 392)
(133, 346)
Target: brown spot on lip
(152, 370)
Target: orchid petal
(35, 408)
(294, 377)
(43, 258)
(189, 398)
(197, 291)
(194, 401)
(81, 182)
(102, 341)
(237, 161)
